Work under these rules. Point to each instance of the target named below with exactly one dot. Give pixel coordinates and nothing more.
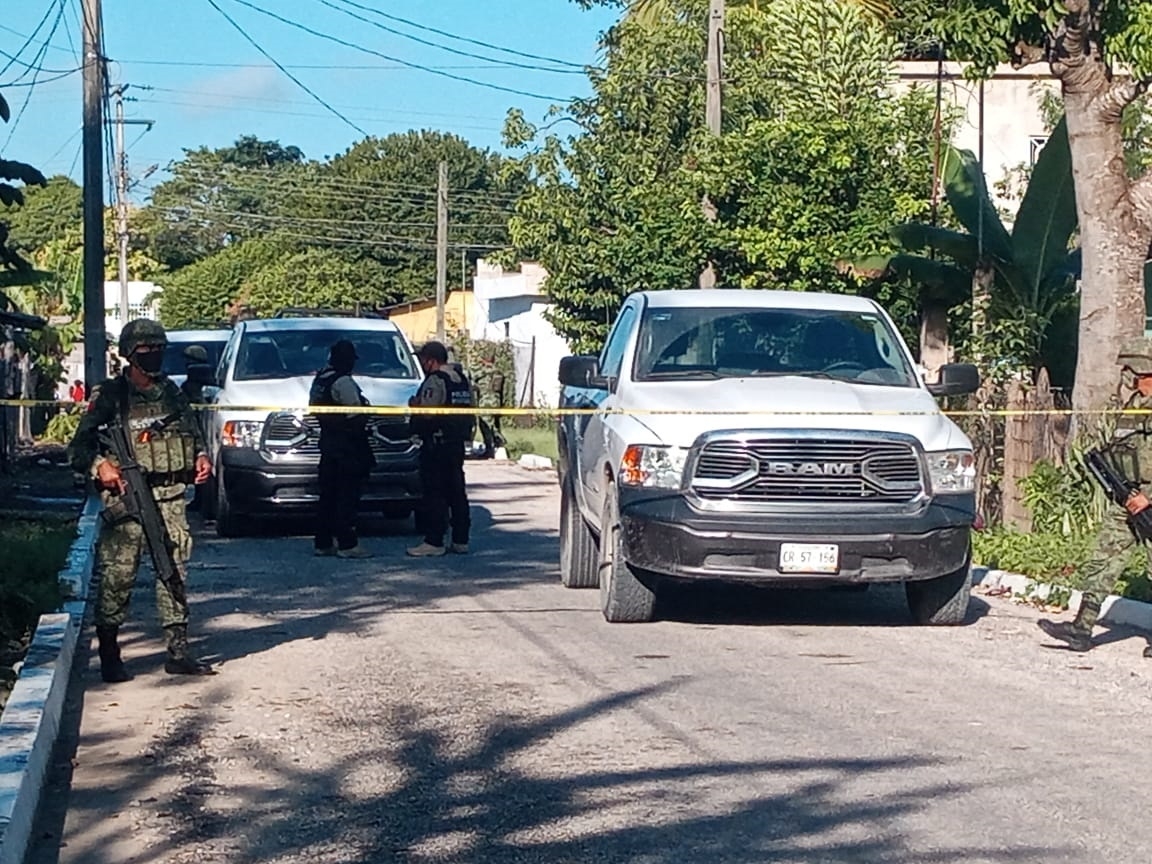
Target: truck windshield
(293, 353)
(735, 343)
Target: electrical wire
(431, 44)
(279, 66)
(68, 34)
(28, 40)
(344, 42)
(35, 74)
(466, 39)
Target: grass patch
(32, 553)
(541, 441)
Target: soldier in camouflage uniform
(170, 460)
(1131, 455)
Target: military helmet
(1136, 353)
(141, 331)
(196, 354)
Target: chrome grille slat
(869, 471)
(301, 436)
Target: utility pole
(441, 248)
(712, 111)
(95, 339)
(715, 64)
(122, 236)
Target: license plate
(809, 558)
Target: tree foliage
(358, 227)
(817, 155)
(1101, 53)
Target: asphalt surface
(470, 709)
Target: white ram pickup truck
(769, 437)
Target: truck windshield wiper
(684, 373)
(770, 374)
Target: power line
(15, 59)
(35, 75)
(28, 40)
(68, 33)
(282, 113)
(470, 41)
(278, 65)
(327, 36)
(428, 42)
(12, 85)
(272, 99)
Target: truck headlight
(952, 471)
(242, 433)
(653, 467)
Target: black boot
(111, 666)
(180, 662)
(1077, 634)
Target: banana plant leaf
(917, 237)
(940, 281)
(1047, 216)
(967, 192)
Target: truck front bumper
(670, 537)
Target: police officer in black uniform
(345, 455)
(443, 439)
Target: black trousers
(341, 483)
(442, 476)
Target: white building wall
(1011, 130)
(512, 306)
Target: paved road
(472, 710)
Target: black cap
(433, 351)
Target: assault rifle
(1124, 492)
(141, 506)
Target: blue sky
(233, 90)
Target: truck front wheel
(578, 553)
(942, 601)
(623, 597)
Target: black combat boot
(180, 662)
(111, 666)
(1077, 634)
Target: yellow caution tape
(401, 410)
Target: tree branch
(1071, 48)
(1120, 95)
(1140, 194)
(1026, 54)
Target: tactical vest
(337, 431)
(455, 428)
(168, 456)
(1130, 450)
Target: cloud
(247, 87)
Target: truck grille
(388, 435)
(808, 470)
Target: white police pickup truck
(766, 437)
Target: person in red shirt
(76, 391)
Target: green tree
(1101, 53)
(817, 154)
(206, 291)
(14, 268)
(206, 203)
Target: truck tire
(227, 521)
(579, 557)
(942, 601)
(623, 597)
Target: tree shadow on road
(419, 792)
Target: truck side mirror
(582, 371)
(956, 379)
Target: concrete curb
(31, 719)
(1115, 610)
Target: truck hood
(788, 403)
(288, 394)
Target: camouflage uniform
(1130, 453)
(168, 461)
